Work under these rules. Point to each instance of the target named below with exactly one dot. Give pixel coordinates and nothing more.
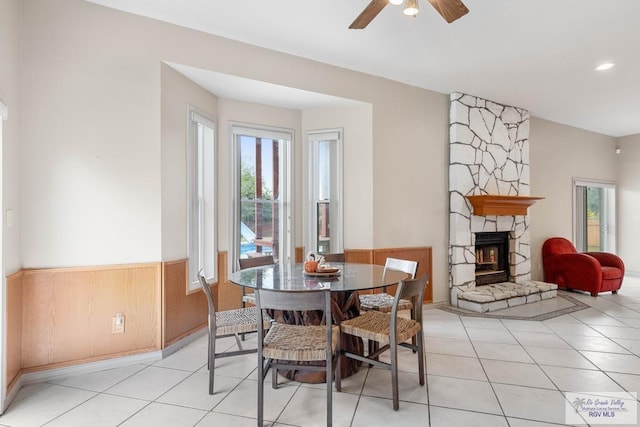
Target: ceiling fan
(449, 9)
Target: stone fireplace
(489, 155)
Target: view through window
(202, 206)
(262, 221)
(325, 233)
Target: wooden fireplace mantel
(488, 204)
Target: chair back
(293, 301)
(207, 292)
(557, 246)
(412, 289)
(293, 346)
(337, 257)
(406, 266)
(244, 263)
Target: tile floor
(485, 372)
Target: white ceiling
(535, 54)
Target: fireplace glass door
(492, 263)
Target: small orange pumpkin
(310, 266)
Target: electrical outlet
(117, 324)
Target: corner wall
(10, 30)
(178, 93)
(357, 140)
(558, 154)
(628, 165)
(10, 237)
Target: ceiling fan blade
(450, 9)
(371, 11)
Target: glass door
(594, 219)
(262, 219)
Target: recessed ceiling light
(605, 66)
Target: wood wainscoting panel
(67, 313)
(299, 256)
(420, 254)
(359, 256)
(13, 343)
(183, 312)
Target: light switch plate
(10, 216)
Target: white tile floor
(480, 372)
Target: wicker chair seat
(374, 325)
(298, 342)
(238, 321)
(382, 302)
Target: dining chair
(244, 263)
(286, 344)
(228, 323)
(383, 301)
(391, 331)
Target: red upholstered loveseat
(593, 272)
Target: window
(595, 216)
(262, 200)
(201, 190)
(325, 182)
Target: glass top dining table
(292, 277)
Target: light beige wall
(10, 94)
(410, 158)
(628, 163)
(92, 185)
(357, 139)
(559, 153)
(178, 93)
(91, 145)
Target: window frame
(202, 252)
(237, 129)
(314, 137)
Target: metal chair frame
(395, 264)
(248, 324)
(243, 264)
(296, 301)
(413, 289)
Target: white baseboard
(101, 365)
(11, 395)
(90, 367)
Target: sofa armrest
(576, 261)
(575, 270)
(607, 259)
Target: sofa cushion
(609, 273)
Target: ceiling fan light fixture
(605, 66)
(411, 8)
(396, 2)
